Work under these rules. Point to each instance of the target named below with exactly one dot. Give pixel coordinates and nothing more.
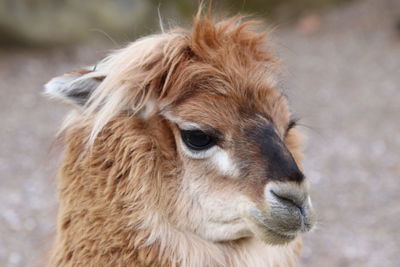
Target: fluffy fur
(130, 195)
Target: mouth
(259, 226)
(278, 226)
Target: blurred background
(341, 70)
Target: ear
(74, 87)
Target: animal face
(211, 91)
(238, 169)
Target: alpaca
(180, 151)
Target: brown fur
(122, 198)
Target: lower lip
(286, 236)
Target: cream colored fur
(133, 194)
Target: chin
(270, 236)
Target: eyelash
(291, 125)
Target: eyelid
(191, 126)
(210, 132)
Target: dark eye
(292, 124)
(197, 140)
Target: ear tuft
(74, 87)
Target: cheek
(224, 163)
(213, 198)
(215, 213)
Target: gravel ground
(343, 78)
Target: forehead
(224, 109)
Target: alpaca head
(211, 91)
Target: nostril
(289, 200)
(283, 198)
(290, 204)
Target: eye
(292, 124)
(197, 139)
